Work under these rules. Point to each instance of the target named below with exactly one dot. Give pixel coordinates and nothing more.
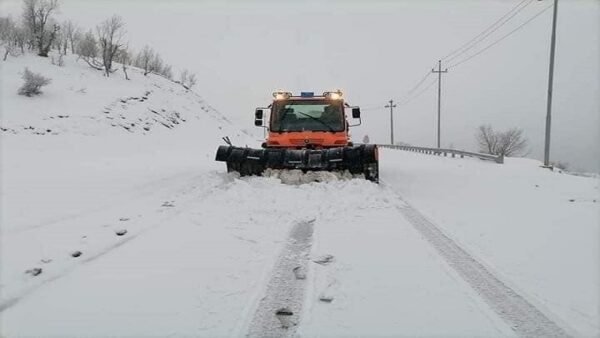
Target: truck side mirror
(258, 117)
(356, 113)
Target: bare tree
(110, 40)
(187, 79)
(60, 40)
(487, 139)
(157, 64)
(12, 37)
(20, 37)
(124, 57)
(151, 62)
(87, 49)
(507, 143)
(7, 32)
(512, 142)
(75, 38)
(36, 16)
(72, 33)
(183, 76)
(145, 59)
(167, 71)
(191, 80)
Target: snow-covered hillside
(114, 231)
(86, 128)
(83, 101)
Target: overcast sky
(377, 50)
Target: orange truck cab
(307, 121)
(305, 132)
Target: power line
(414, 87)
(418, 84)
(488, 31)
(485, 30)
(469, 45)
(372, 107)
(405, 102)
(502, 38)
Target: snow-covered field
(171, 245)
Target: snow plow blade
(359, 159)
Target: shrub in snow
(187, 79)
(33, 83)
(508, 143)
(560, 165)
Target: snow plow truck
(307, 132)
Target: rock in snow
(121, 232)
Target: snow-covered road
(209, 254)
(202, 266)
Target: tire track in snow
(284, 290)
(7, 303)
(138, 191)
(523, 317)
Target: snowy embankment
(87, 137)
(536, 229)
(171, 245)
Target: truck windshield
(307, 115)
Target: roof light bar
(336, 95)
(281, 95)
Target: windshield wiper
(316, 119)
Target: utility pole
(439, 72)
(550, 83)
(391, 105)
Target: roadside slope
(536, 229)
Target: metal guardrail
(445, 152)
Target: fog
(375, 51)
